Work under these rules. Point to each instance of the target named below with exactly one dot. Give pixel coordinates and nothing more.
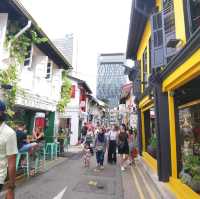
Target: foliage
(153, 141)
(18, 51)
(65, 93)
(192, 165)
(9, 76)
(190, 174)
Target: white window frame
(49, 66)
(29, 59)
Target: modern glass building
(110, 77)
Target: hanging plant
(65, 93)
(18, 50)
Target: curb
(160, 186)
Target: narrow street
(70, 180)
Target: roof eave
(49, 44)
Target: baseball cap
(2, 106)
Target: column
(163, 134)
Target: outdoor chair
(50, 150)
(27, 166)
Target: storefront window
(189, 121)
(150, 132)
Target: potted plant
(152, 147)
(191, 172)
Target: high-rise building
(110, 77)
(69, 48)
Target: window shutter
(169, 29)
(3, 27)
(157, 50)
(29, 57)
(137, 80)
(41, 66)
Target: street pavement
(70, 180)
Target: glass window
(150, 132)
(195, 14)
(189, 122)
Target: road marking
(137, 184)
(146, 185)
(61, 194)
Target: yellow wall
(184, 73)
(172, 135)
(179, 20)
(159, 4)
(144, 44)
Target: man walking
(8, 151)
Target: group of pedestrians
(112, 140)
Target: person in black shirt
(22, 142)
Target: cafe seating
(26, 155)
(50, 150)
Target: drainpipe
(23, 30)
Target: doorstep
(160, 186)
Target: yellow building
(164, 41)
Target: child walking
(87, 155)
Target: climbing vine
(65, 93)
(18, 50)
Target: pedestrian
(89, 139)
(87, 155)
(100, 148)
(8, 151)
(84, 131)
(131, 140)
(112, 145)
(123, 147)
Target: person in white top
(112, 145)
(8, 151)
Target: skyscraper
(110, 77)
(69, 48)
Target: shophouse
(31, 62)
(97, 111)
(76, 112)
(164, 41)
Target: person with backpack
(100, 148)
(123, 147)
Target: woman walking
(123, 147)
(100, 147)
(112, 145)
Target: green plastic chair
(57, 149)
(50, 150)
(19, 155)
(41, 159)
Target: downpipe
(22, 31)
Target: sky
(101, 26)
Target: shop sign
(33, 101)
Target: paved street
(70, 180)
